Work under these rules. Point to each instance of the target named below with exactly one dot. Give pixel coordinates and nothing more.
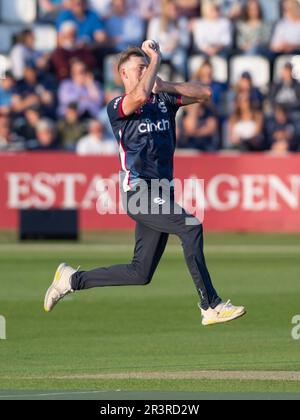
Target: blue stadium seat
(6, 36)
(18, 11)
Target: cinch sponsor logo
(149, 127)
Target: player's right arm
(135, 99)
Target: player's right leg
(149, 248)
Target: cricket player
(143, 121)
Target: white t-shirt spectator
(91, 145)
(286, 31)
(209, 33)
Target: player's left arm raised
(191, 92)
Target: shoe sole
(224, 320)
(57, 276)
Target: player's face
(134, 70)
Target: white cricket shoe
(224, 312)
(60, 287)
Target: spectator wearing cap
(171, 32)
(26, 124)
(82, 89)
(23, 52)
(90, 25)
(46, 137)
(9, 141)
(253, 32)
(281, 131)
(212, 33)
(200, 127)
(67, 50)
(244, 87)
(34, 89)
(124, 28)
(246, 126)
(70, 128)
(95, 143)
(286, 92)
(7, 90)
(286, 37)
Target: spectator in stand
(82, 89)
(113, 85)
(232, 9)
(286, 38)
(70, 128)
(34, 89)
(146, 9)
(171, 32)
(46, 137)
(188, 8)
(212, 33)
(23, 52)
(25, 126)
(201, 128)
(205, 75)
(244, 87)
(286, 92)
(90, 25)
(124, 28)
(67, 50)
(253, 33)
(7, 90)
(95, 143)
(49, 9)
(281, 131)
(246, 127)
(9, 141)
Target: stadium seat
(5, 65)
(257, 66)
(219, 64)
(18, 11)
(6, 35)
(280, 62)
(45, 37)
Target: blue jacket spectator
(90, 25)
(7, 90)
(124, 28)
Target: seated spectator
(232, 9)
(82, 89)
(70, 128)
(188, 8)
(246, 127)
(124, 28)
(9, 141)
(25, 125)
(205, 75)
(253, 33)
(286, 92)
(244, 87)
(49, 9)
(212, 33)
(90, 25)
(34, 89)
(67, 50)
(95, 143)
(23, 52)
(201, 128)
(281, 131)
(171, 32)
(286, 38)
(46, 137)
(7, 90)
(146, 9)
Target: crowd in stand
(57, 100)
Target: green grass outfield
(128, 340)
